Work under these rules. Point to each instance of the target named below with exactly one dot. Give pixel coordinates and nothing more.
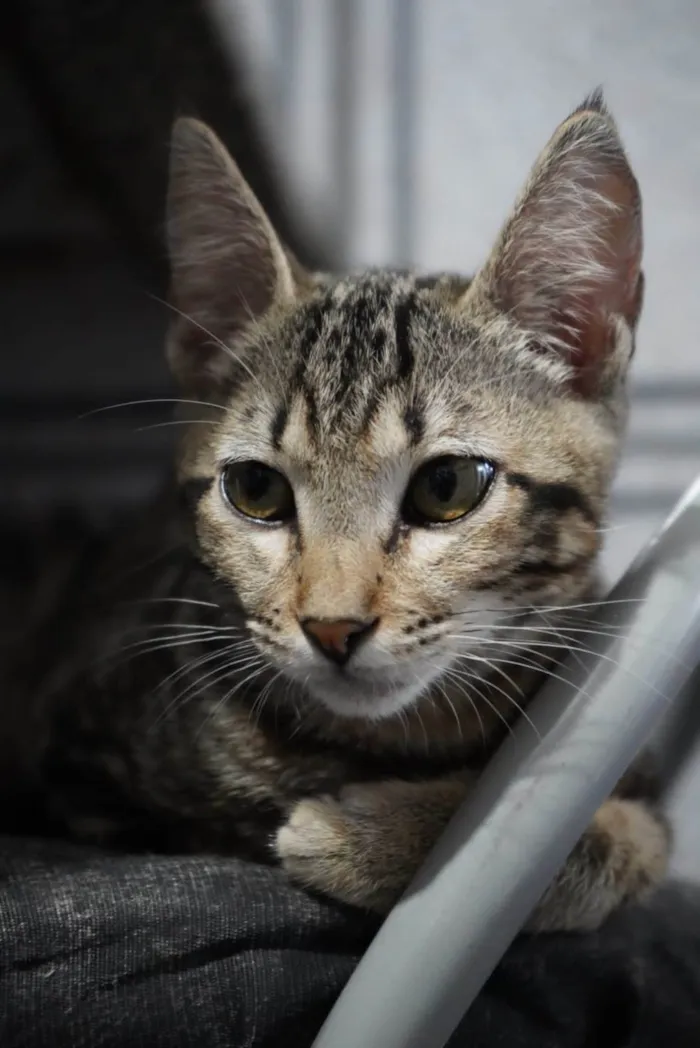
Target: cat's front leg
(364, 847)
(622, 857)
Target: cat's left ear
(228, 267)
(567, 265)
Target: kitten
(388, 500)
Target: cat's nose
(337, 639)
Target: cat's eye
(258, 491)
(446, 489)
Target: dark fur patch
(312, 415)
(378, 342)
(311, 327)
(557, 497)
(415, 424)
(392, 540)
(404, 353)
(278, 426)
(547, 567)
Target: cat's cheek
(430, 545)
(273, 547)
(265, 567)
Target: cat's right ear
(228, 267)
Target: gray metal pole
(344, 141)
(405, 72)
(502, 849)
(286, 16)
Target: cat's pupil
(443, 483)
(257, 482)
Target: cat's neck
(448, 723)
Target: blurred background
(375, 132)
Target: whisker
(154, 400)
(173, 422)
(569, 647)
(192, 636)
(171, 600)
(206, 658)
(403, 717)
(216, 341)
(533, 608)
(259, 704)
(226, 698)
(494, 667)
(515, 646)
(469, 681)
(449, 675)
(453, 709)
(209, 680)
(416, 712)
(562, 636)
(256, 672)
(202, 683)
(152, 645)
(564, 643)
(189, 667)
(523, 663)
(553, 630)
(184, 626)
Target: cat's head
(392, 469)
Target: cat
(385, 517)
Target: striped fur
(229, 722)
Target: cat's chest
(267, 763)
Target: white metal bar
(502, 849)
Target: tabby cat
(384, 524)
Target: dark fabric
(124, 952)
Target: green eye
(258, 491)
(446, 489)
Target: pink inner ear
(616, 291)
(589, 343)
(620, 244)
(573, 255)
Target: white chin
(353, 699)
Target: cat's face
(394, 470)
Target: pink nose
(337, 639)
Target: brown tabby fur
(224, 727)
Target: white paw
(310, 839)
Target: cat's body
(389, 504)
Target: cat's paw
(638, 844)
(364, 847)
(313, 831)
(621, 858)
(320, 847)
